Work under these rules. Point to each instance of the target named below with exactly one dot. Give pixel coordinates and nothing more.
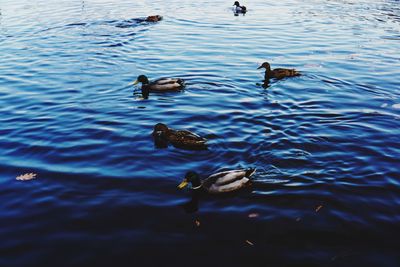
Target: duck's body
(278, 73)
(221, 182)
(155, 18)
(159, 85)
(165, 84)
(238, 8)
(178, 138)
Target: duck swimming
(160, 85)
(277, 73)
(155, 18)
(163, 135)
(221, 182)
(238, 8)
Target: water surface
(326, 144)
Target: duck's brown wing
(186, 139)
(166, 84)
(183, 134)
(165, 81)
(231, 187)
(282, 73)
(155, 18)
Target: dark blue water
(326, 144)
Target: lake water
(326, 145)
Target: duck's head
(265, 65)
(141, 79)
(191, 177)
(236, 3)
(160, 130)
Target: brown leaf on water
(253, 215)
(352, 56)
(197, 222)
(318, 208)
(249, 242)
(26, 176)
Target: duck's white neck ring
(197, 187)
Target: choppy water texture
(326, 144)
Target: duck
(184, 139)
(155, 18)
(279, 73)
(220, 182)
(238, 8)
(160, 85)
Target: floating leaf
(318, 208)
(249, 242)
(253, 215)
(197, 222)
(26, 176)
(298, 219)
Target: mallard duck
(178, 138)
(221, 182)
(160, 85)
(238, 8)
(277, 73)
(154, 18)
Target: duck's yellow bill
(135, 82)
(183, 184)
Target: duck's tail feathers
(250, 172)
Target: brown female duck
(155, 18)
(279, 73)
(163, 135)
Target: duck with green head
(278, 74)
(221, 182)
(160, 85)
